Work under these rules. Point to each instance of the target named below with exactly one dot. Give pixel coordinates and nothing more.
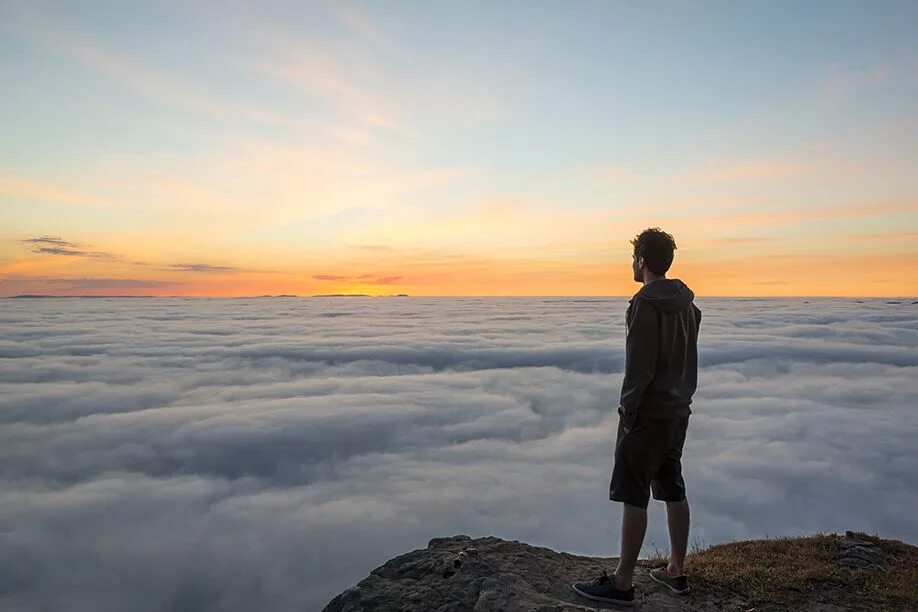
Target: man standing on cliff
(661, 372)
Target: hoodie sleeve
(641, 345)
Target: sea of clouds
(267, 453)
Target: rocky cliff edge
(820, 573)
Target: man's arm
(641, 345)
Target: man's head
(653, 254)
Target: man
(661, 371)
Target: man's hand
(628, 419)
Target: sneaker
(602, 588)
(678, 585)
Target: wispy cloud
(889, 236)
(29, 189)
(373, 247)
(50, 32)
(56, 285)
(229, 190)
(201, 267)
(72, 252)
(360, 22)
(55, 245)
(62, 247)
(703, 218)
(52, 240)
(338, 81)
(113, 283)
(745, 171)
(363, 279)
(734, 240)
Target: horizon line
(283, 296)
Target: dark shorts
(649, 457)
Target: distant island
(357, 295)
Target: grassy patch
(660, 558)
(790, 570)
(657, 557)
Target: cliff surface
(821, 573)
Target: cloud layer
(196, 454)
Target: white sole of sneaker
(669, 586)
(616, 602)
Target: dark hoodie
(661, 353)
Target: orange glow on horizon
(772, 275)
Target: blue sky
(136, 128)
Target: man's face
(636, 265)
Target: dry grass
(657, 557)
(790, 570)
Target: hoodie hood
(667, 294)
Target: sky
(266, 454)
(477, 149)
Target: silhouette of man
(661, 372)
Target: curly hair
(656, 247)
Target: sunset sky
(433, 148)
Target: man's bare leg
(677, 515)
(634, 524)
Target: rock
(438, 541)
(857, 552)
(489, 574)
(494, 575)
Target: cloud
(71, 252)
(892, 236)
(35, 190)
(52, 33)
(746, 171)
(201, 267)
(56, 285)
(53, 240)
(361, 23)
(734, 240)
(59, 246)
(363, 279)
(373, 247)
(113, 283)
(268, 454)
